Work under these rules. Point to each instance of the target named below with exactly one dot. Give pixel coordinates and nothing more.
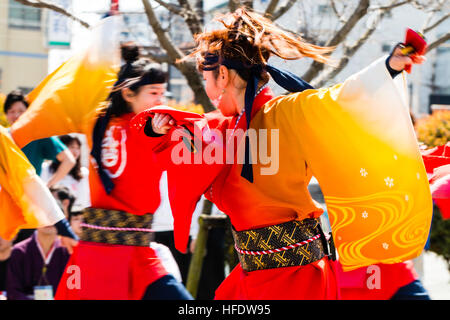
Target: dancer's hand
(400, 62)
(69, 243)
(162, 123)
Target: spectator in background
(77, 180)
(39, 150)
(37, 261)
(66, 198)
(75, 220)
(5, 254)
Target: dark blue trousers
(412, 291)
(166, 288)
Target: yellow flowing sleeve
(68, 100)
(359, 141)
(25, 201)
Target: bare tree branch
(248, 4)
(172, 51)
(419, 6)
(159, 58)
(170, 6)
(188, 69)
(434, 25)
(190, 16)
(390, 6)
(47, 5)
(349, 51)
(198, 7)
(438, 42)
(336, 12)
(282, 10)
(233, 5)
(358, 14)
(271, 8)
(185, 11)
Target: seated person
(5, 254)
(75, 220)
(37, 261)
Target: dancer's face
(15, 111)
(48, 231)
(75, 223)
(75, 148)
(212, 90)
(220, 90)
(147, 96)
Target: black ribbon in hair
(283, 78)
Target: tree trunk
(358, 13)
(206, 222)
(195, 82)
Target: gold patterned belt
(293, 243)
(116, 227)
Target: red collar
(264, 96)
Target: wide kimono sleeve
(67, 100)
(25, 201)
(181, 152)
(359, 141)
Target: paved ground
(435, 275)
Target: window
(324, 9)
(25, 90)
(386, 47)
(22, 16)
(443, 48)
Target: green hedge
(440, 235)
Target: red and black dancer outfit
(118, 271)
(282, 250)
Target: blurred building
(23, 53)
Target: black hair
(13, 97)
(130, 51)
(75, 172)
(129, 76)
(74, 214)
(63, 193)
(134, 74)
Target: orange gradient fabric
(358, 140)
(68, 100)
(25, 201)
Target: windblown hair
(253, 39)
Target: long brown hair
(251, 38)
(75, 172)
